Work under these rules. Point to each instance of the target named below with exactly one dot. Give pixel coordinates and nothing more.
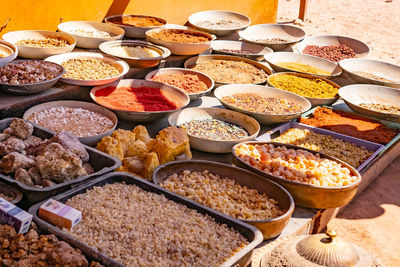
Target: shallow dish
(313, 101)
(213, 146)
(291, 34)
(202, 77)
(91, 42)
(11, 192)
(376, 67)
(132, 31)
(89, 140)
(355, 94)
(31, 88)
(256, 52)
(39, 52)
(311, 196)
(107, 48)
(228, 90)
(274, 59)
(269, 228)
(218, 15)
(177, 95)
(180, 48)
(10, 49)
(361, 49)
(120, 65)
(193, 60)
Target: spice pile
(295, 165)
(329, 145)
(260, 104)
(190, 83)
(272, 41)
(140, 154)
(391, 109)
(88, 69)
(181, 36)
(220, 24)
(296, 66)
(136, 21)
(236, 51)
(43, 43)
(223, 194)
(88, 32)
(306, 87)
(29, 71)
(134, 52)
(78, 121)
(333, 52)
(134, 99)
(228, 71)
(213, 129)
(140, 228)
(350, 124)
(375, 77)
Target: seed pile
(134, 51)
(391, 109)
(223, 194)
(260, 104)
(220, 24)
(213, 129)
(190, 83)
(137, 21)
(375, 77)
(88, 69)
(236, 51)
(86, 32)
(47, 42)
(331, 52)
(272, 41)
(181, 36)
(296, 66)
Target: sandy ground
(373, 219)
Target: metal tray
(241, 258)
(101, 163)
(307, 195)
(269, 228)
(268, 136)
(392, 125)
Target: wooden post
(303, 8)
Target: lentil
(229, 71)
(236, 51)
(307, 87)
(391, 109)
(181, 36)
(140, 228)
(331, 52)
(220, 24)
(272, 41)
(329, 145)
(47, 42)
(88, 69)
(260, 104)
(134, 52)
(137, 21)
(350, 124)
(296, 66)
(190, 83)
(29, 71)
(223, 194)
(296, 165)
(375, 77)
(213, 129)
(78, 121)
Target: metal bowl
(39, 52)
(180, 48)
(313, 101)
(228, 90)
(11, 192)
(202, 77)
(91, 42)
(355, 94)
(136, 62)
(120, 65)
(376, 67)
(290, 33)
(213, 146)
(10, 49)
(88, 140)
(193, 60)
(311, 196)
(218, 15)
(257, 52)
(269, 228)
(274, 59)
(361, 49)
(31, 88)
(176, 95)
(132, 31)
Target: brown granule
(181, 36)
(78, 121)
(43, 43)
(331, 52)
(140, 228)
(136, 21)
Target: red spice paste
(350, 124)
(134, 99)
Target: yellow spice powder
(296, 66)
